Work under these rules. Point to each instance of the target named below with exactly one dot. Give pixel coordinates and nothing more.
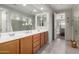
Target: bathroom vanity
(24, 45)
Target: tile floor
(70, 50)
(59, 46)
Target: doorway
(59, 25)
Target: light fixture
(34, 10)
(24, 4)
(26, 23)
(17, 18)
(42, 8)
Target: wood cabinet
(42, 39)
(26, 45)
(36, 48)
(11, 47)
(46, 37)
(36, 43)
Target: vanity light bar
(42, 8)
(24, 4)
(34, 10)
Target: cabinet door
(42, 39)
(26, 45)
(46, 37)
(36, 44)
(11, 47)
(36, 37)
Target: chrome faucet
(12, 34)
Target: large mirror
(3, 24)
(0, 23)
(44, 20)
(11, 21)
(20, 23)
(41, 20)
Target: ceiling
(58, 7)
(32, 9)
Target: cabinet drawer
(36, 43)
(36, 49)
(36, 37)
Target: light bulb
(42, 8)
(34, 10)
(23, 24)
(24, 4)
(26, 23)
(18, 18)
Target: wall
(50, 26)
(56, 25)
(76, 22)
(68, 31)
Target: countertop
(5, 37)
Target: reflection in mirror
(41, 20)
(44, 19)
(13, 21)
(0, 23)
(3, 24)
(21, 23)
(0, 20)
(16, 23)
